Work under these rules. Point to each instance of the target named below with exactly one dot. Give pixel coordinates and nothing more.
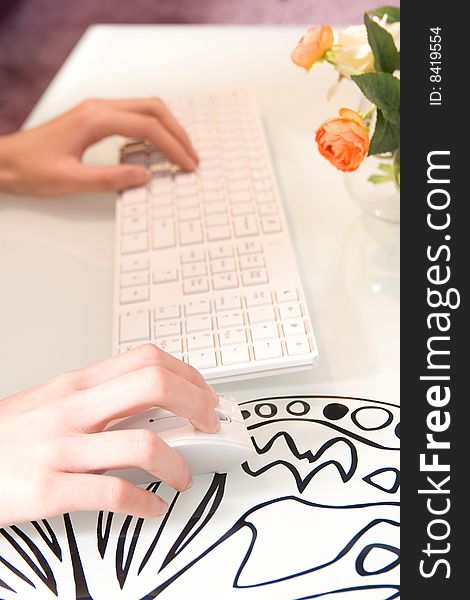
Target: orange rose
(343, 140)
(312, 46)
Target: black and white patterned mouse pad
(314, 514)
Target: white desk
(56, 255)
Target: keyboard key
(259, 314)
(266, 210)
(232, 335)
(267, 349)
(241, 185)
(185, 179)
(198, 323)
(198, 307)
(202, 359)
(234, 354)
(134, 325)
(297, 345)
(167, 312)
(289, 310)
(271, 224)
(170, 344)
(136, 242)
(203, 339)
(210, 197)
(134, 210)
(265, 198)
(244, 208)
(239, 197)
(225, 281)
(195, 285)
(193, 255)
(138, 278)
(134, 224)
(186, 202)
(134, 294)
(167, 327)
(188, 214)
(293, 326)
(161, 212)
(221, 232)
(221, 251)
(163, 234)
(258, 298)
(254, 277)
(249, 247)
(230, 319)
(251, 261)
(287, 295)
(195, 269)
(134, 195)
(262, 185)
(217, 219)
(190, 233)
(129, 265)
(245, 226)
(264, 331)
(227, 303)
(215, 209)
(223, 265)
(165, 276)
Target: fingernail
(190, 484)
(214, 393)
(190, 163)
(139, 177)
(216, 422)
(162, 508)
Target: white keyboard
(204, 262)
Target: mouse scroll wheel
(223, 417)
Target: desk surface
(56, 255)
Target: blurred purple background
(37, 35)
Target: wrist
(8, 171)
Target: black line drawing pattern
(314, 514)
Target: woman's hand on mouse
(46, 160)
(54, 447)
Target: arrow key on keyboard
(203, 359)
(267, 349)
(234, 354)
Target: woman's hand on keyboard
(53, 446)
(47, 160)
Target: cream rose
(351, 53)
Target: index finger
(155, 107)
(92, 409)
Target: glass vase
(375, 186)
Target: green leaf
(386, 136)
(379, 178)
(383, 90)
(392, 12)
(386, 57)
(386, 168)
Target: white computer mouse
(204, 452)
